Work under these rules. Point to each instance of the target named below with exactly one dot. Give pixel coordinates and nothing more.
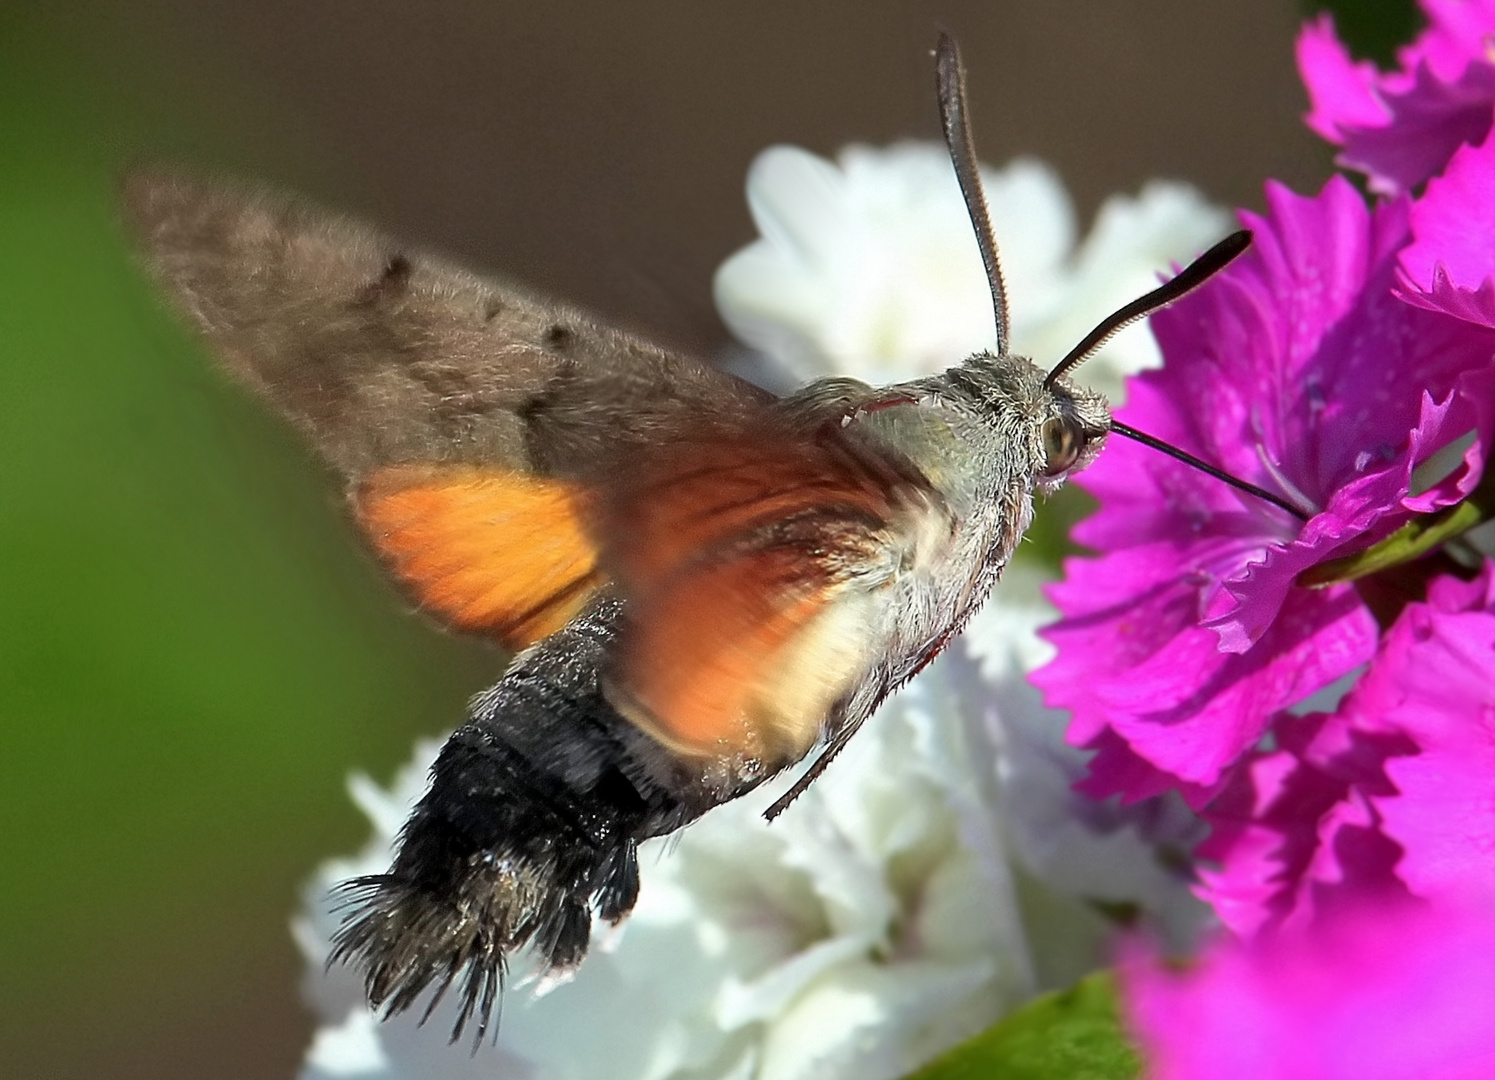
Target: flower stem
(1412, 541)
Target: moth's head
(1064, 424)
(1055, 427)
(1073, 422)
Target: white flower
(942, 869)
(1096, 853)
(868, 266)
(871, 926)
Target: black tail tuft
(409, 940)
(495, 858)
(531, 822)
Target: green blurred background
(194, 649)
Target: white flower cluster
(942, 870)
(868, 267)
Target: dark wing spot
(494, 308)
(390, 282)
(558, 338)
(397, 270)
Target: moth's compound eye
(1062, 442)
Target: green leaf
(1073, 1034)
(1371, 28)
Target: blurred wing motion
(492, 551)
(465, 414)
(752, 560)
(509, 457)
(697, 573)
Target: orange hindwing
(751, 562)
(489, 550)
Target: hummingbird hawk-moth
(703, 582)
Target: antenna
(950, 81)
(1186, 281)
(1181, 284)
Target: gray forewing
(383, 355)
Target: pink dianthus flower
(1450, 264)
(1384, 992)
(1300, 370)
(1401, 127)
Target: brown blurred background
(599, 149)
(193, 649)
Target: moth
(703, 582)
